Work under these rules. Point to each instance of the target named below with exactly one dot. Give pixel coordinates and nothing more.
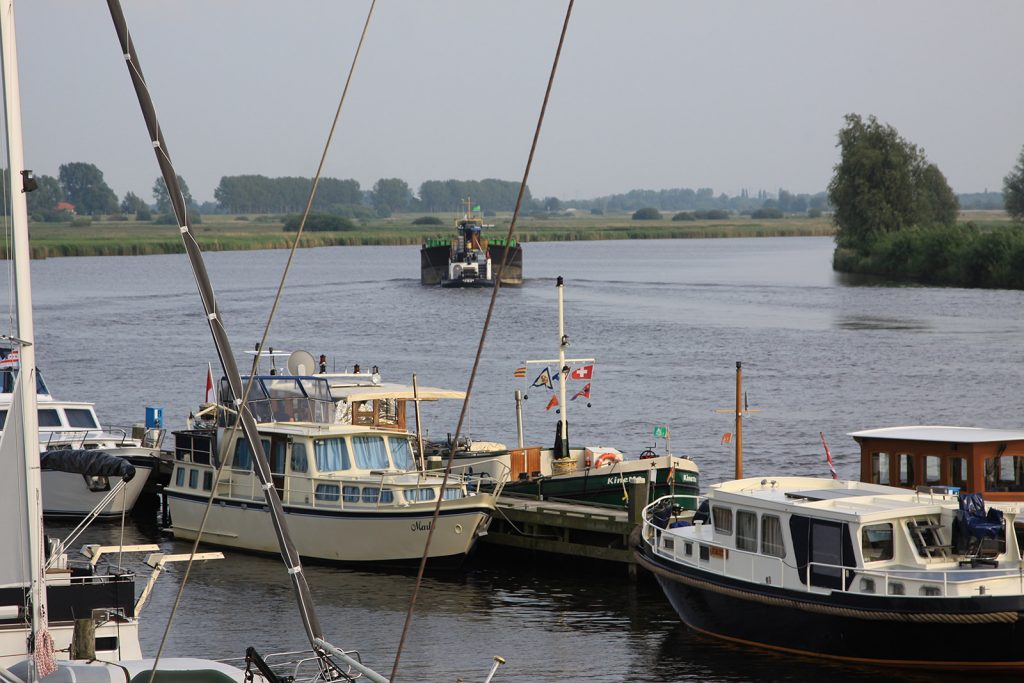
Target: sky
(649, 94)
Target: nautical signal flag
(11, 362)
(584, 392)
(583, 372)
(543, 380)
(553, 403)
(520, 372)
(209, 381)
(727, 438)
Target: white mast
(20, 255)
(563, 370)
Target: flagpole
(563, 341)
(739, 420)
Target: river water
(666, 321)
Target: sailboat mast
(563, 373)
(220, 339)
(24, 331)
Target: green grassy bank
(237, 233)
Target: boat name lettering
(626, 480)
(421, 526)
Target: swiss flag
(583, 372)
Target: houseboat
(469, 260)
(846, 570)
(970, 459)
(345, 471)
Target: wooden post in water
(519, 418)
(739, 420)
(419, 424)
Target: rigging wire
(210, 306)
(483, 338)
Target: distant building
(66, 206)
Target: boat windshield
(401, 452)
(8, 377)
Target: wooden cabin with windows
(971, 459)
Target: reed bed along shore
(238, 233)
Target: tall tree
(390, 195)
(46, 196)
(883, 183)
(132, 203)
(85, 188)
(1013, 190)
(163, 200)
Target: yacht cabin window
(243, 453)
(453, 493)
(300, 464)
(3, 418)
(932, 470)
(81, 418)
(876, 542)
(327, 492)
(207, 480)
(906, 469)
(401, 453)
(771, 536)
(331, 455)
(419, 495)
(48, 417)
(958, 472)
(723, 520)
(746, 531)
(179, 478)
(1004, 473)
(350, 494)
(370, 452)
(880, 468)
(193, 478)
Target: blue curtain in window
(401, 453)
(370, 452)
(331, 455)
(243, 455)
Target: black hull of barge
(976, 633)
(434, 265)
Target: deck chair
(978, 526)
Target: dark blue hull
(976, 633)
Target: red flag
(209, 381)
(584, 392)
(727, 438)
(552, 403)
(583, 372)
(828, 456)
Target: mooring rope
(483, 338)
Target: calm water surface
(666, 321)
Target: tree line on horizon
(80, 189)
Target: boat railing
(940, 581)
(78, 438)
(476, 479)
(298, 665)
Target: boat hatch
(829, 494)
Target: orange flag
(552, 403)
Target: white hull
(68, 495)
(383, 536)
(124, 634)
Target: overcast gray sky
(650, 93)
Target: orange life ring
(606, 458)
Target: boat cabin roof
(350, 394)
(839, 500)
(942, 434)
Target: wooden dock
(569, 528)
